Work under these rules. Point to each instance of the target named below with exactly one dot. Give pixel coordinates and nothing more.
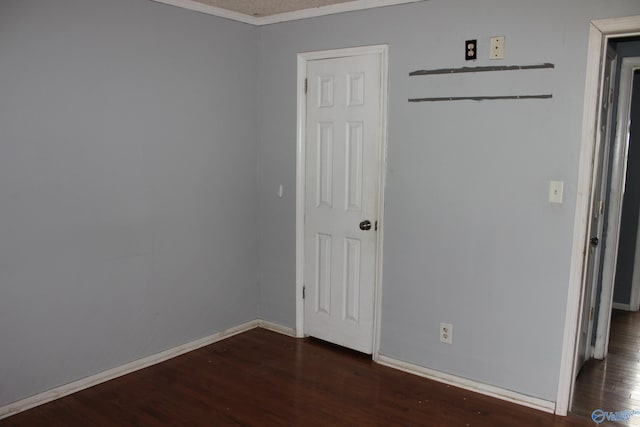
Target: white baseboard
(67, 389)
(275, 327)
(475, 386)
(619, 306)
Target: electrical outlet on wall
(446, 333)
(470, 49)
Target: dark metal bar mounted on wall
(480, 98)
(481, 69)
(460, 70)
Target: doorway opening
(601, 188)
(605, 380)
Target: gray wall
(631, 201)
(128, 199)
(133, 217)
(469, 235)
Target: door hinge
(306, 81)
(591, 314)
(304, 292)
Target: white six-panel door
(342, 158)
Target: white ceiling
(261, 12)
(268, 7)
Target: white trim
(67, 389)
(287, 16)
(276, 327)
(303, 58)
(382, 167)
(471, 385)
(76, 386)
(330, 10)
(598, 35)
(624, 26)
(211, 10)
(300, 191)
(619, 306)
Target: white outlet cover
(446, 333)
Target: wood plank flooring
(261, 378)
(613, 384)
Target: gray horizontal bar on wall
(481, 69)
(480, 98)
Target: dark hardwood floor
(613, 384)
(261, 378)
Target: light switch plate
(556, 190)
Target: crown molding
(211, 10)
(287, 16)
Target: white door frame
(600, 32)
(617, 184)
(303, 58)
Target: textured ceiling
(265, 12)
(260, 8)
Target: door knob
(365, 225)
